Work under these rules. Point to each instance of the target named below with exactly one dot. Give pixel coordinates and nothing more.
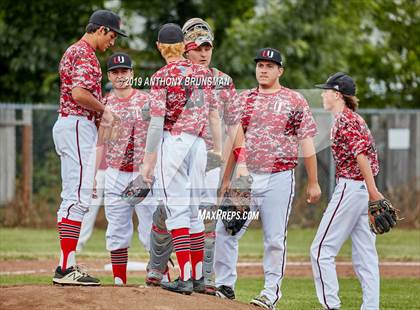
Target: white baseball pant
(346, 216)
(272, 196)
(75, 143)
(88, 223)
(181, 168)
(119, 213)
(211, 183)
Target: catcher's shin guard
(160, 248)
(210, 227)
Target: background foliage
(375, 41)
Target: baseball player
(75, 133)
(124, 154)
(276, 121)
(89, 218)
(346, 215)
(181, 107)
(198, 49)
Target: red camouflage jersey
(79, 67)
(225, 94)
(350, 136)
(127, 151)
(274, 124)
(182, 93)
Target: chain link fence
(30, 181)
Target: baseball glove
(382, 216)
(236, 204)
(214, 161)
(137, 190)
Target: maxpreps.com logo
(119, 59)
(267, 54)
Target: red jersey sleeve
(307, 127)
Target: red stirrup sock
(119, 260)
(197, 254)
(181, 242)
(69, 235)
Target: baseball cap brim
(201, 41)
(257, 59)
(119, 67)
(119, 32)
(197, 43)
(325, 86)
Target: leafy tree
(219, 14)
(34, 36)
(374, 41)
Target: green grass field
(298, 293)
(400, 245)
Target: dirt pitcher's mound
(108, 297)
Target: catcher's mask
(196, 33)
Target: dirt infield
(137, 296)
(127, 298)
(245, 269)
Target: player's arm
(235, 134)
(85, 98)
(154, 135)
(216, 130)
(227, 168)
(366, 171)
(313, 191)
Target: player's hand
(375, 195)
(148, 167)
(223, 188)
(107, 118)
(313, 192)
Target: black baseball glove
(137, 190)
(382, 216)
(236, 204)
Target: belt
(89, 117)
(354, 179)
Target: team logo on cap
(119, 59)
(267, 53)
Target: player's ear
(281, 70)
(338, 95)
(101, 30)
(158, 46)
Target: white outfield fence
(29, 166)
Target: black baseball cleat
(74, 276)
(224, 291)
(198, 286)
(179, 286)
